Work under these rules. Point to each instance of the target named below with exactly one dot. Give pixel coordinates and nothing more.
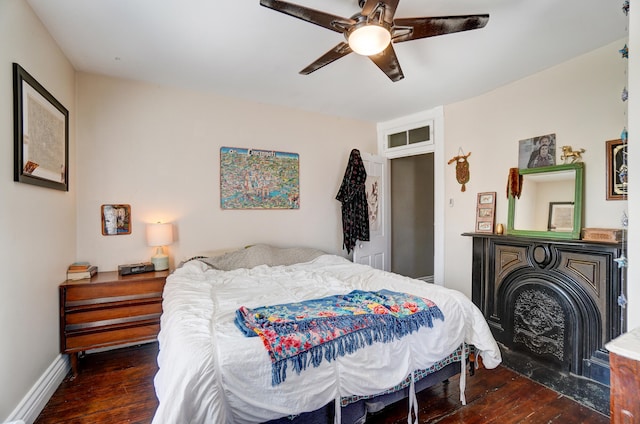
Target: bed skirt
(356, 411)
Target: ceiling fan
(373, 31)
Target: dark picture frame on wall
(617, 171)
(486, 212)
(41, 134)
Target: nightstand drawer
(106, 315)
(112, 336)
(108, 292)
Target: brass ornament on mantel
(569, 154)
(462, 168)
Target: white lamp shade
(369, 39)
(159, 234)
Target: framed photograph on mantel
(561, 216)
(486, 212)
(617, 171)
(41, 134)
(537, 152)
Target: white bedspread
(211, 373)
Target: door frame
(434, 117)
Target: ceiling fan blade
(390, 8)
(332, 55)
(430, 27)
(388, 63)
(325, 20)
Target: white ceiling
(241, 49)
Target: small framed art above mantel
(486, 212)
(561, 216)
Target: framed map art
(259, 179)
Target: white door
(376, 252)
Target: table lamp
(158, 236)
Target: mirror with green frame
(550, 202)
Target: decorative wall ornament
(462, 168)
(622, 260)
(624, 52)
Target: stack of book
(80, 270)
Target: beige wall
(158, 149)
(578, 100)
(38, 225)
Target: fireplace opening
(538, 326)
(550, 320)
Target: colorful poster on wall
(259, 179)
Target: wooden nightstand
(109, 310)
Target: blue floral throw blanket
(306, 332)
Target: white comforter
(211, 373)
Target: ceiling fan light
(369, 39)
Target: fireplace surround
(552, 305)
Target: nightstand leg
(73, 357)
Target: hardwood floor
(111, 387)
(117, 387)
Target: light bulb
(369, 39)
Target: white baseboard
(34, 402)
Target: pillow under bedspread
(262, 254)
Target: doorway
(412, 216)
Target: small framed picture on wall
(486, 212)
(617, 171)
(115, 219)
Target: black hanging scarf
(352, 195)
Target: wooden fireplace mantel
(551, 301)
(496, 257)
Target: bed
(210, 372)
